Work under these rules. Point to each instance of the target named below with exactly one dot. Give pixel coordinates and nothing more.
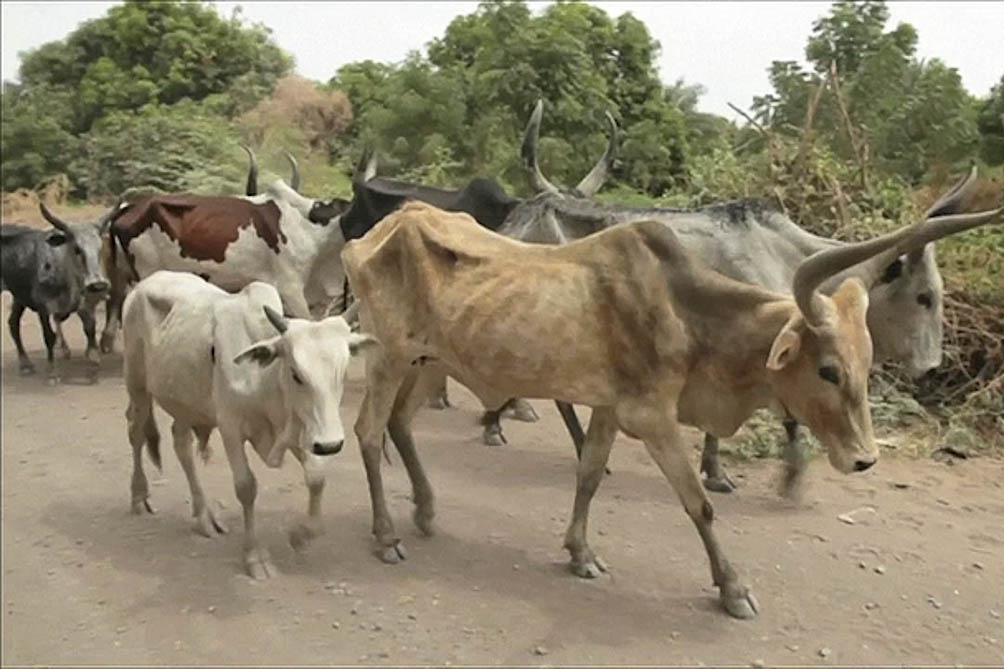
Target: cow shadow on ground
(73, 372)
(198, 574)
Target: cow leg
(86, 315)
(113, 317)
(491, 419)
(50, 343)
(61, 343)
(665, 447)
(793, 477)
(521, 410)
(303, 533)
(256, 560)
(439, 399)
(381, 392)
(205, 522)
(142, 431)
(25, 365)
(409, 399)
(717, 480)
(595, 453)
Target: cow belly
(245, 260)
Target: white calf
(212, 359)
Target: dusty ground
(917, 579)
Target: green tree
(990, 122)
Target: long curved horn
(252, 183)
(366, 168)
(58, 223)
(106, 220)
(294, 181)
(528, 152)
(946, 204)
(277, 320)
(828, 266)
(593, 181)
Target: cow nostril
(327, 448)
(862, 465)
(97, 286)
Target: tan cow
(625, 322)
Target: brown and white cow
(279, 237)
(626, 322)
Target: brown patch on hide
(202, 226)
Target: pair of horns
(867, 260)
(590, 184)
(251, 188)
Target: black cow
(54, 273)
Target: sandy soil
(918, 578)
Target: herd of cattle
(652, 317)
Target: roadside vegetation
(160, 95)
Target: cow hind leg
(256, 559)
(205, 522)
(595, 453)
(61, 342)
(665, 446)
(381, 392)
(439, 399)
(142, 432)
(410, 398)
(716, 478)
(25, 365)
(521, 410)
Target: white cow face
(311, 360)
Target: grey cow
(55, 273)
(749, 241)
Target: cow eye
(924, 300)
(830, 374)
(296, 377)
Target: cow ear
(264, 353)
(56, 238)
(359, 342)
(784, 349)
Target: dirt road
(918, 578)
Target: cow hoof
(393, 554)
(721, 484)
(67, 353)
(740, 603)
(440, 403)
(52, 380)
(792, 484)
(107, 344)
(26, 369)
(494, 438)
(522, 411)
(423, 521)
(259, 566)
(207, 525)
(142, 506)
(589, 568)
(301, 535)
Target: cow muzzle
(95, 287)
(327, 447)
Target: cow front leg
(374, 414)
(90, 332)
(302, 534)
(49, 335)
(61, 343)
(25, 366)
(793, 476)
(256, 559)
(491, 420)
(716, 478)
(206, 523)
(113, 317)
(595, 453)
(665, 447)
